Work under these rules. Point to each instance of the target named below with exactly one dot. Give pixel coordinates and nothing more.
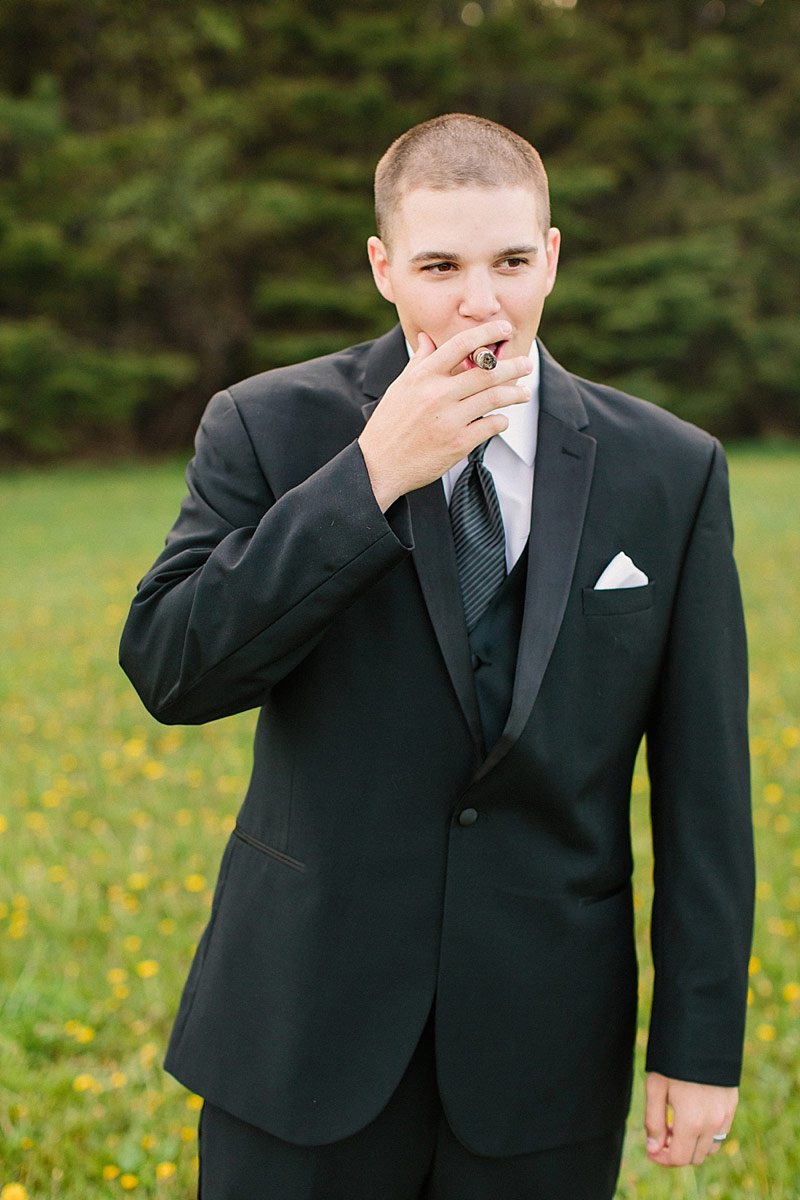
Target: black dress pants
(407, 1153)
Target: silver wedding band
(719, 1137)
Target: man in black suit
(419, 977)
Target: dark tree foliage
(185, 193)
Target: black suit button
(468, 817)
(476, 662)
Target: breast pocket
(613, 602)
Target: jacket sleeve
(697, 749)
(248, 582)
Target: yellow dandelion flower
(154, 770)
(121, 991)
(763, 889)
(166, 926)
(228, 783)
(194, 883)
(128, 1182)
(766, 1033)
(84, 1034)
(188, 1133)
(118, 1079)
(195, 1103)
(83, 1083)
(165, 1170)
(27, 1143)
(196, 1163)
(3, 823)
(134, 747)
(147, 1053)
(148, 1141)
(750, 996)
(184, 817)
(13, 1191)
(138, 881)
(117, 975)
(36, 821)
(781, 824)
(110, 1171)
(773, 793)
(791, 993)
(791, 737)
(754, 966)
(57, 874)
(147, 968)
(132, 943)
(732, 1147)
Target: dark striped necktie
(478, 535)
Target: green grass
(111, 828)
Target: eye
(439, 268)
(514, 263)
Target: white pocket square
(621, 572)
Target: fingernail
(505, 326)
(652, 1144)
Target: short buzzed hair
(454, 151)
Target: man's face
(463, 257)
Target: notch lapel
(562, 479)
(433, 555)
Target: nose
(479, 300)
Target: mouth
(496, 349)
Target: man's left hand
(699, 1111)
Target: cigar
(484, 358)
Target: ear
(552, 248)
(379, 261)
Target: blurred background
(185, 194)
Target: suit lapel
(433, 554)
(562, 479)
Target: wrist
(384, 484)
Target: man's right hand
(428, 419)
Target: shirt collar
(523, 419)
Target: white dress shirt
(510, 457)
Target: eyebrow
(449, 256)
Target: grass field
(111, 829)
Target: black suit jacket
(350, 893)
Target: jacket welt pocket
(278, 855)
(612, 602)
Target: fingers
(655, 1114)
(700, 1112)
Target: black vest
(494, 643)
